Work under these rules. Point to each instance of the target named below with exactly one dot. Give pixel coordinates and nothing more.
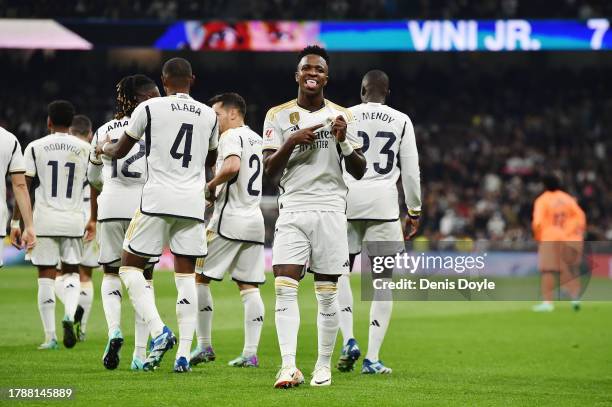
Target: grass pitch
(442, 354)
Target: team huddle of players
(147, 170)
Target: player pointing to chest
(306, 140)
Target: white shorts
(48, 250)
(244, 261)
(317, 237)
(147, 236)
(91, 252)
(388, 235)
(110, 237)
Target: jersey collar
(325, 104)
(182, 95)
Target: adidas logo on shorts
(258, 319)
(184, 302)
(347, 309)
(116, 292)
(375, 323)
(206, 308)
(49, 301)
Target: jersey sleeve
(231, 145)
(213, 142)
(92, 154)
(138, 122)
(272, 135)
(16, 163)
(30, 161)
(410, 171)
(94, 175)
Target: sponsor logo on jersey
(268, 134)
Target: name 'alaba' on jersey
(389, 146)
(59, 161)
(237, 214)
(122, 178)
(11, 161)
(178, 131)
(312, 179)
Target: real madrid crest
(294, 117)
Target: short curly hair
(314, 50)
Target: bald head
(177, 75)
(375, 86)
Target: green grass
(442, 354)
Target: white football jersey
(178, 131)
(389, 146)
(237, 215)
(59, 161)
(122, 178)
(312, 179)
(11, 162)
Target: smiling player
(306, 140)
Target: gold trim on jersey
(274, 110)
(293, 103)
(133, 224)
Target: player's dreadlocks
(127, 89)
(314, 50)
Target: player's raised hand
(339, 128)
(305, 136)
(90, 231)
(28, 238)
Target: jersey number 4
(185, 132)
(385, 150)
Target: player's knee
(288, 270)
(202, 279)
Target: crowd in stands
(484, 137)
(167, 10)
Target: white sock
(327, 320)
(59, 287)
(345, 303)
(143, 303)
(380, 314)
(253, 320)
(205, 315)
(141, 329)
(46, 306)
(72, 290)
(287, 318)
(186, 310)
(111, 301)
(85, 300)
